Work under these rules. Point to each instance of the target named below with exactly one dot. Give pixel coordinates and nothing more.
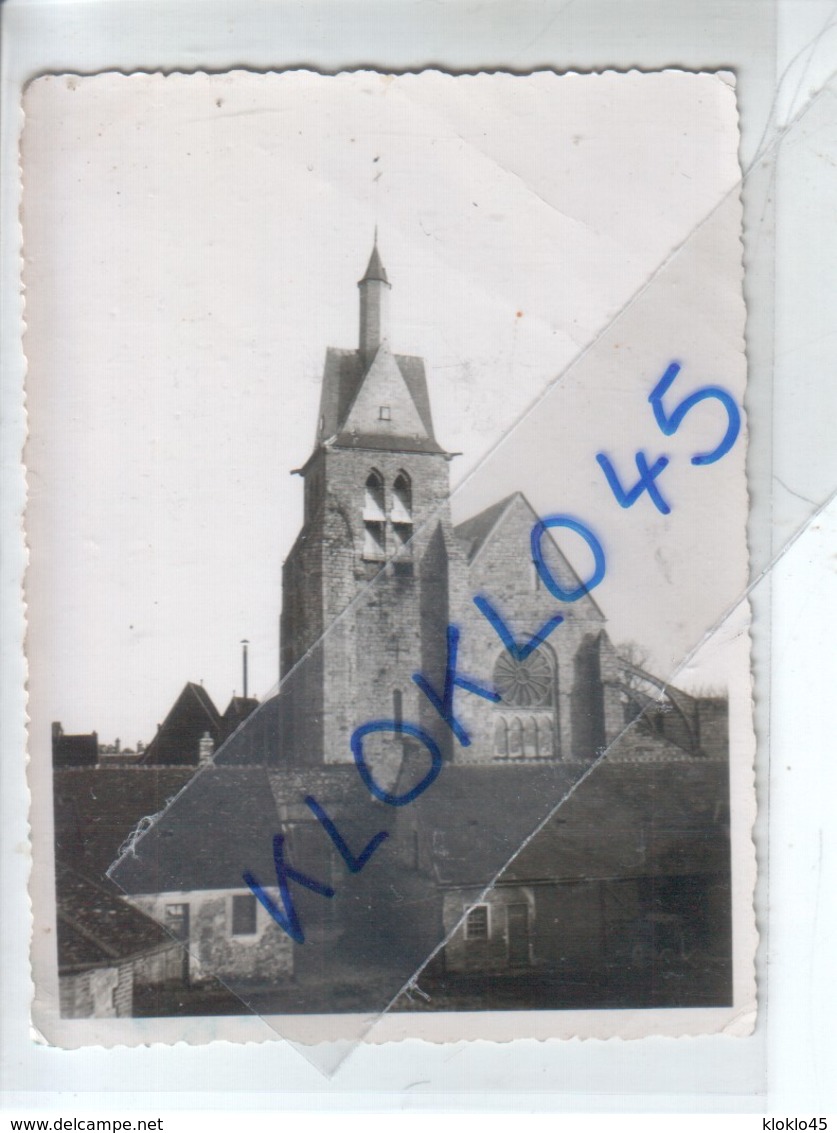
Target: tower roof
(350, 416)
(375, 269)
(371, 397)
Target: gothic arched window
(402, 499)
(374, 517)
(373, 500)
(402, 509)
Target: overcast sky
(192, 246)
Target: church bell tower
(368, 585)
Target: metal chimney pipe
(244, 645)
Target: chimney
(206, 749)
(244, 645)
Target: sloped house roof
(396, 378)
(236, 712)
(621, 820)
(474, 825)
(97, 928)
(191, 716)
(97, 808)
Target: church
(379, 571)
(629, 865)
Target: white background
(788, 1061)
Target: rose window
(525, 684)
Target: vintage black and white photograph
(388, 639)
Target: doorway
(517, 922)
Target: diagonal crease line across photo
(764, 151)
(385, 781)
(360, 598)
(732, 614)
(358, 602)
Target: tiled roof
(475, 817)
(96, 808)
(631, 819)
(326, 782)
(97, 927)
(344, 371)
(177, 738)
(258, 742)
(341, 378)
(236, 712)
(625, 820)
(221, 825)
(200, 693)
(224, 824)
(412, 369)
(622, 820)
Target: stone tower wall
(356, 628)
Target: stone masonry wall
(586, 708)
(85, 995)
(213, 950)
(382, 621)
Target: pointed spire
(373, 305)
(375, 269)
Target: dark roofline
(344, 374)
(112, 960)
(498, 508)
(123, 767)
(91, 938)
(205, 702)
(374, 442)
(202, 696)
(336, 444)
(236, 701)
